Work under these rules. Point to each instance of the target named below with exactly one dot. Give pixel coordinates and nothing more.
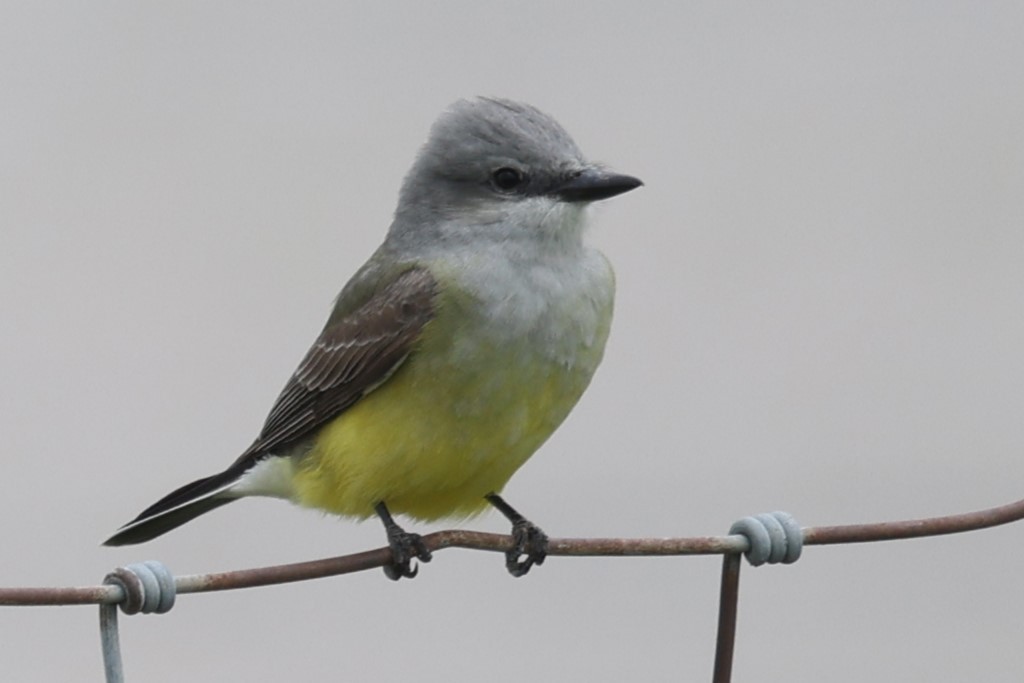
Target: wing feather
(352, 356)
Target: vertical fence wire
(111, 645)
(728, 599)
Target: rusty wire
(729, 546)
(579, 547)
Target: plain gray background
(819, 310)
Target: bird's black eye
(507, 179)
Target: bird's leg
(404, 547)
(528, 537)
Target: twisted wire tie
(148, 587)
(774, 538)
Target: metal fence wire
(770, 538)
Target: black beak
(593, 184)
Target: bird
(452, 354)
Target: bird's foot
(405, 546)
(529, 540)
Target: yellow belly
(442, 432)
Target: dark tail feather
(177, 507)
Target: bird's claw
(404, 547)
(529, 540)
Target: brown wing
(351, 357)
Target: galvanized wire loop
(774, 538)
(148, 587)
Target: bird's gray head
(498, 170)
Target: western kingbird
(452, 354)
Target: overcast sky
(820, 309)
